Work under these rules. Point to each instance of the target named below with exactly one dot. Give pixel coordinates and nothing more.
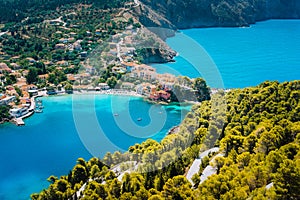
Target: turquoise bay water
(50, 143)
(244, 57)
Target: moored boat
(38, 110)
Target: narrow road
(194, 169)
(209, 170)
(119, 50)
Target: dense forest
(256, 128)
(17, 10)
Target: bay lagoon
(50, 143)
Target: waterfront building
(127, 86)
(103, 86)
(33, 92)
(18, 112)
(145, 89)
(161, 94)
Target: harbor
(22, 113)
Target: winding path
(209, 170)
(194, 169)
(119, 50)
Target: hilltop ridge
(212, 13)
(170, 14)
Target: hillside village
(82, 48)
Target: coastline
(113, 92)
(116, 92)
(40, 126)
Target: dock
(19, 122)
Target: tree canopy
(258, 133)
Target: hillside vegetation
(17, 10)
(182, 14)
(259, 135)
(207, 13)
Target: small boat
(38, 111)
(116, 114)
(139, 119)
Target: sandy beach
(110, 92)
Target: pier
(19, 121)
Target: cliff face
(152, 49)
(153, 55)
(172, 14)
(151, 19)
(208, 13)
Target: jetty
(19, 120)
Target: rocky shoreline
(5, 120)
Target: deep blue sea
(69, 128)
(238, 57)
(51, 141)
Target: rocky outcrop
(154, 55)
(211, 13)
(152, 48)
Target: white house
(18, 112)
(103, 86)
(7, 100)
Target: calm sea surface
(51, 141)
(238, 57)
